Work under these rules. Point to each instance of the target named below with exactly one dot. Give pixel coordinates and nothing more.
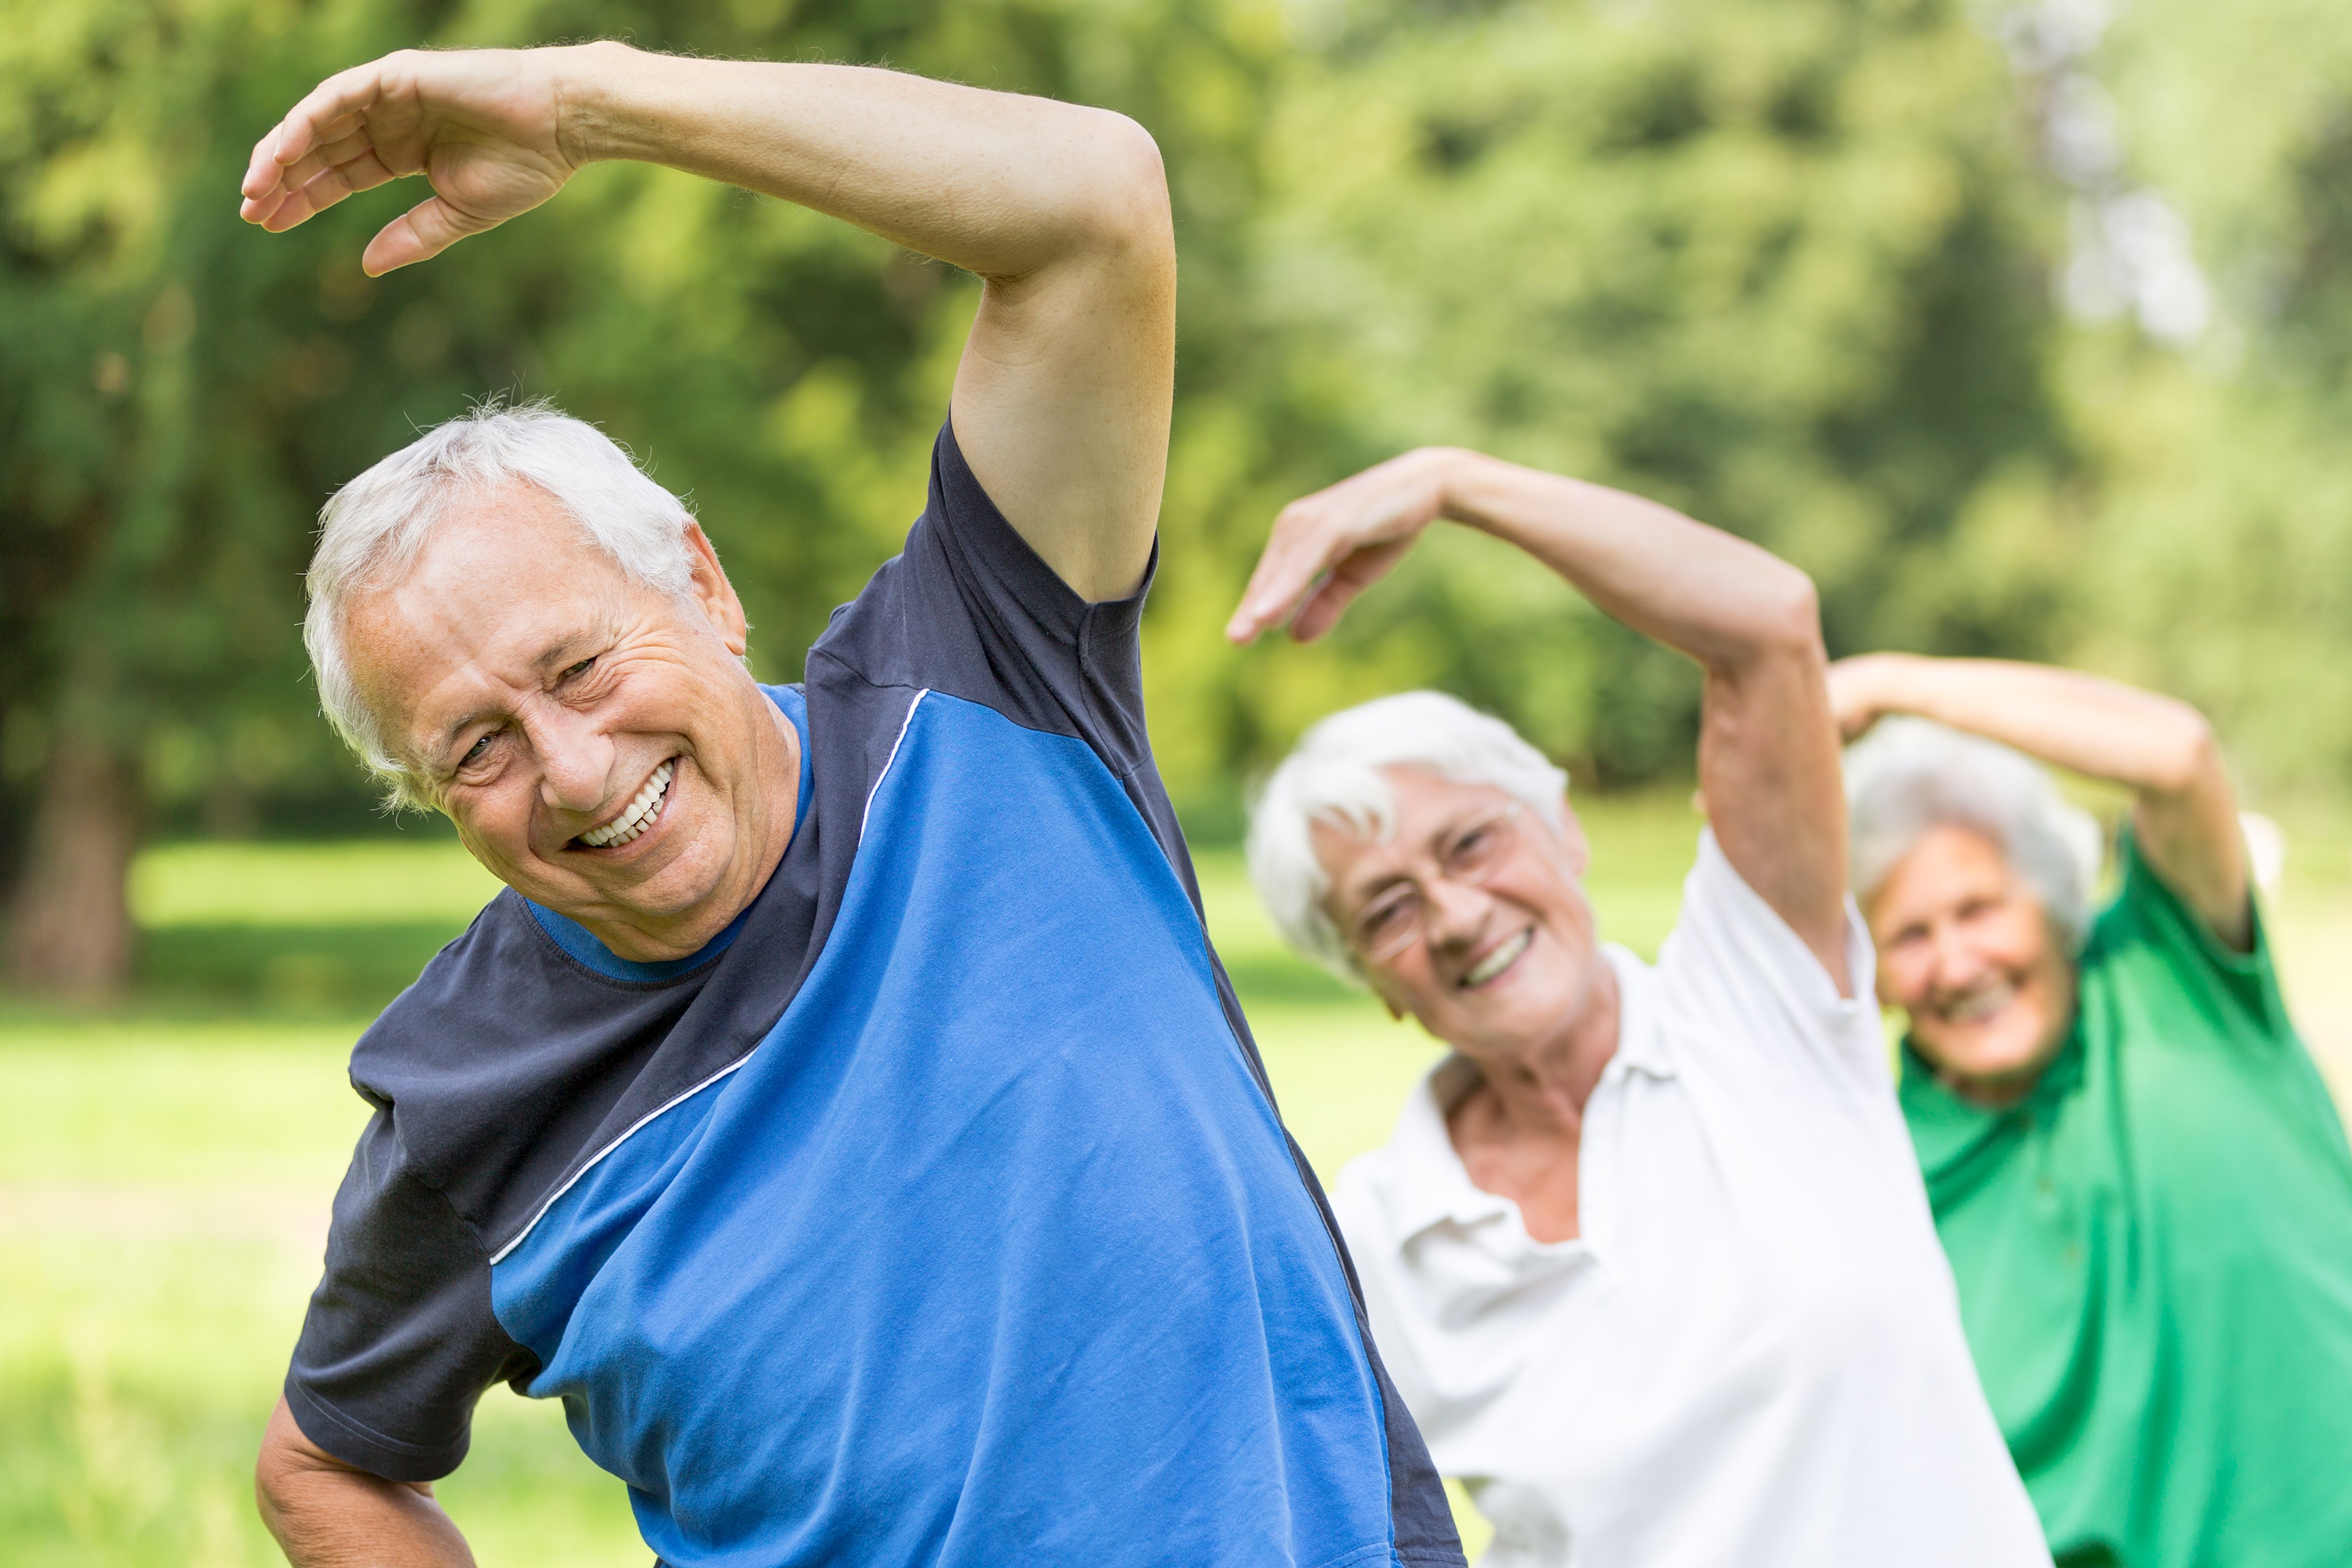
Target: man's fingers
(331, 155)
(362, 173)
(424, 230)
(329, 112)
(329, 109)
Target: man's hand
(482, 125)
(1061, 399)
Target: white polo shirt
(1752, 1356)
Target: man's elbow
(1127, 211)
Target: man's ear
(715, 594)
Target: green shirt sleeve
(2150, 927)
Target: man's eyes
(475, 752)
(582, 668)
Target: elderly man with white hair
(2141, 1180)
(1647, 1251)
(841, 1110)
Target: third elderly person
(1647, 1252)
(2139, 1177)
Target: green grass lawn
(166, 1171)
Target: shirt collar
(1948, 1131)
(1427, 1184)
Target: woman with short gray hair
(1647, 1254)
(2141, 1181)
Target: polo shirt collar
(1428, 1184)
(1948, 1131)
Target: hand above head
(1330, 546)
(1767, 752)
(484, 125)
(1859, 694)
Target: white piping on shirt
(556, 1196)
(868, 815)
(552, 1198)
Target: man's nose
(575, 761)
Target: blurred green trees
(1794, 265)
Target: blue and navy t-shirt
(939, 1211)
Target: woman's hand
(1330, 546)
(1860, 691)
(484, 125)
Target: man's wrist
(592, 123)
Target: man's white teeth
(1496, 962)
(636, 818)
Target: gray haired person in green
(2138, 1175)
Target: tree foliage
(1787, 264)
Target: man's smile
(632, 820)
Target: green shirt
(2153, 1252)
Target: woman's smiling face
(1494, 947)
(1967, 948)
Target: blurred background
(2023, 328)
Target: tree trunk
(69, 920)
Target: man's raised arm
(1061, 399)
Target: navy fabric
(941, 1215)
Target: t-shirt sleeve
(1744, 996)
(400, 1341)
(969, 610)
(2148, 914)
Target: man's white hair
(1909, 774)
(1333, 776)
(372, 530)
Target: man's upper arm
(400, 1339)
(1062, 397)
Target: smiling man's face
(1500, 959)
(1966, 947)
(599, 744)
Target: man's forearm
(997, 183)
(324, 1514)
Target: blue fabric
(992, 1239)
(585, 947)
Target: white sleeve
(1741, 992)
